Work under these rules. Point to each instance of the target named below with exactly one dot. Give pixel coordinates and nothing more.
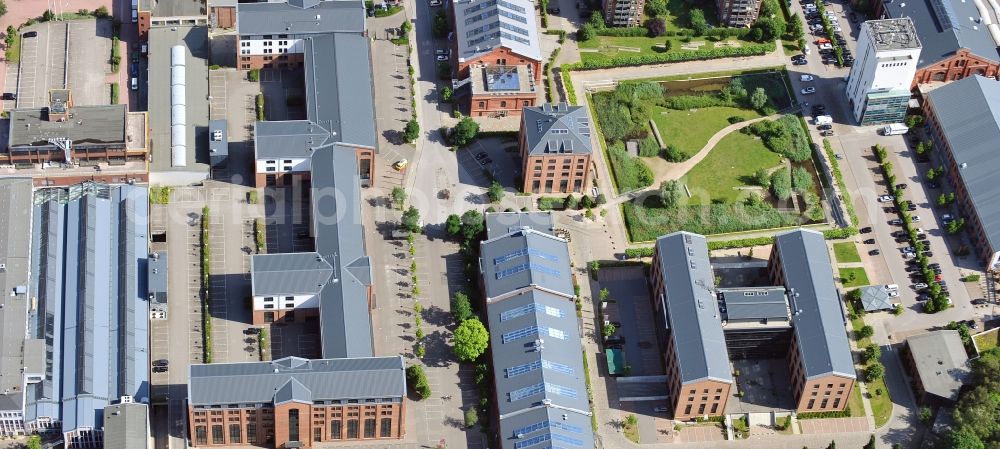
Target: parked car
(30, 34)
(808, 90)
(911, 207)
(895, 222)
(866, 229)
(919, 286)
(915, 218)
(400, 165)
(440, 51)
(972, 324)
(161, 362)
(913, 269)
(661, 409)
(159, 369)
(933, 185)
(824, 127)
(908, 249)
(481, 155)
(805, 78)
(553, 10)
(9, 96)
(826, 46)
(436, 2)
(822, 41)
(874, 252)
(929, 253)
(886, 198)
(799, 62)
(442, 57)
(826, 133)
(979, 302)
(870, 242)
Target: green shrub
(160, 195)
(746, 49)
(646, 251)
(736, 119)
(801, 180)
(253, 75)
(417, 379)
(630, 173)
(260, 107)
(685, 102)
(674, 154)
(648, 223)
(648, 147)
(115, 92)
(839, 179)
(781, 184)
(622, 32)
(784, 136)
(551, 203)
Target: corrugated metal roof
(482, 25)
(500, 223)
(321, 379)
(941, 362)
(817, 316)
(299, 18)
(556, 129)
(968, 111)
(525, 258)
(90, 125)
(288, 274)
(759, 303)
(15, 251)
(692, 314)
(944, 26)
(126, 426)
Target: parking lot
(493, 155)
(627, 287)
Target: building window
(687, 409)
(268, 317)
(200, 436)
(823, 404)
(701, 409)
(482, 104)
(335, 430)
(715, 408)
(317, 433)
(217, 437)
(836, 403)
(252, 433)
(386, 430)
(234, 433)
(811, 403)
(503, 104)
(370, 428)
(293, 424)
(352, 429)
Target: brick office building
(495, 55)
(953, 47)
(701, 327)
(294, 402)
(555, 148)
(963, 119)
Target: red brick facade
(225, 17)
(498, 56)
(961, 65)
(491, 105)
(283, 61)
(510, 104)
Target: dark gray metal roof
(500, 223)
(556, 128)
(818, 319)
(15, 251)
(126, 426)
(345, 321)
(756, 303)
(968, 111)
(525, 258)
(338, 79)
(288, 274)
(300, 17)
(218, 149)
(875, 298)
(944, 26)
(88, 246)
(90, 125)
(156, 269)
(941, 362)
(482, 25)
(692, 314)
(289, 139)
(293, 378)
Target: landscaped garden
(853, 277)
(846, 252)
(986, 340)
(728, 168)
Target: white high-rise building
(879, 84)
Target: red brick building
(294, 402)
(555, 147)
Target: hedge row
(740, 243)
(645, 251)
(839, 179)
(661, 58)
(206, 314)
(846, 413)
(623, 32)
(568, 83)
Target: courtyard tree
(609, 330)
(696, 18)
(471, 417)
(571, 202)
(963, 439)
(585, 33)
(473, 224)
(670, 194)
(417, 379)
(762, 178)
(411, 131)
(794, 27)
(495, 192)
(471, 339)
(398, 196)
(411, 219)
(656, 8)
(874, 372)
(866, 331)
(465, 131)
(656, 27)
(758, 99)
(461, 307)
(872, 353)
(453, 225)
(3, 8)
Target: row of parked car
(824, 43)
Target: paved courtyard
(834, 425)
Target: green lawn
(881, 404)
(13, 53)
(855, 402)
(860, 277)
(987, 340)
(730, 164)
(689, 131)
(607, 46)
(846, 252)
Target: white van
(891, 287)
(823, 120)
(135, 83)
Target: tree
(762, 178)
(977, 410)
(471, 339)
(609, 330)
(956, 225)
(596, 20)
(931, 174)
(781, 184)
(446, 94)
(963, 439)
(794, 27)
(34, 442)
(601, 199)
(411, 131)
(874, 372)
(3, 8)
(495, 192)
(48, 15)
(572, 202)
(398, 196)
(925, 415)
(603, 294)
(411, 219)
(585, 33)
(473, 224)
(914, 121)
(417, 379)
(656, 8)
(872, 353)
(801, 180)
(670, 194)
(405, 27)
(656, 27)
(441, 27)
(461, 307)
(696, 18)
(453, 225)
(942, 200)
(465, 131)
(674, 154)
(586, 202)
(866, 331)
(471, 417)
(759, 98)
(101, 11)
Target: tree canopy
(471, 340)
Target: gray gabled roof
(300, 17)
(941, 362)
(345, 322)
(525, 258)
(500, 223)
(339, 92)
(968, 111)
(818, 319)
(556, 128)
(126, 426)
(288, 274)
(289, 139)
(293, 378)
(482, 25)
(692, 314)
(944, 26)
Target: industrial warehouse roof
(941, 362)
(288, 274)
(968, 111)
(690, 308)
(88, 246)
(90, 125)
(500, 223)
(944, 26)
(15, 250)
(345, 322)
(556, 128)
(482, 25)
(293, 378)
(126, 426)
(298, 17)
(541, 392)
(817, 317)
(756, 303)
(525, 258)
